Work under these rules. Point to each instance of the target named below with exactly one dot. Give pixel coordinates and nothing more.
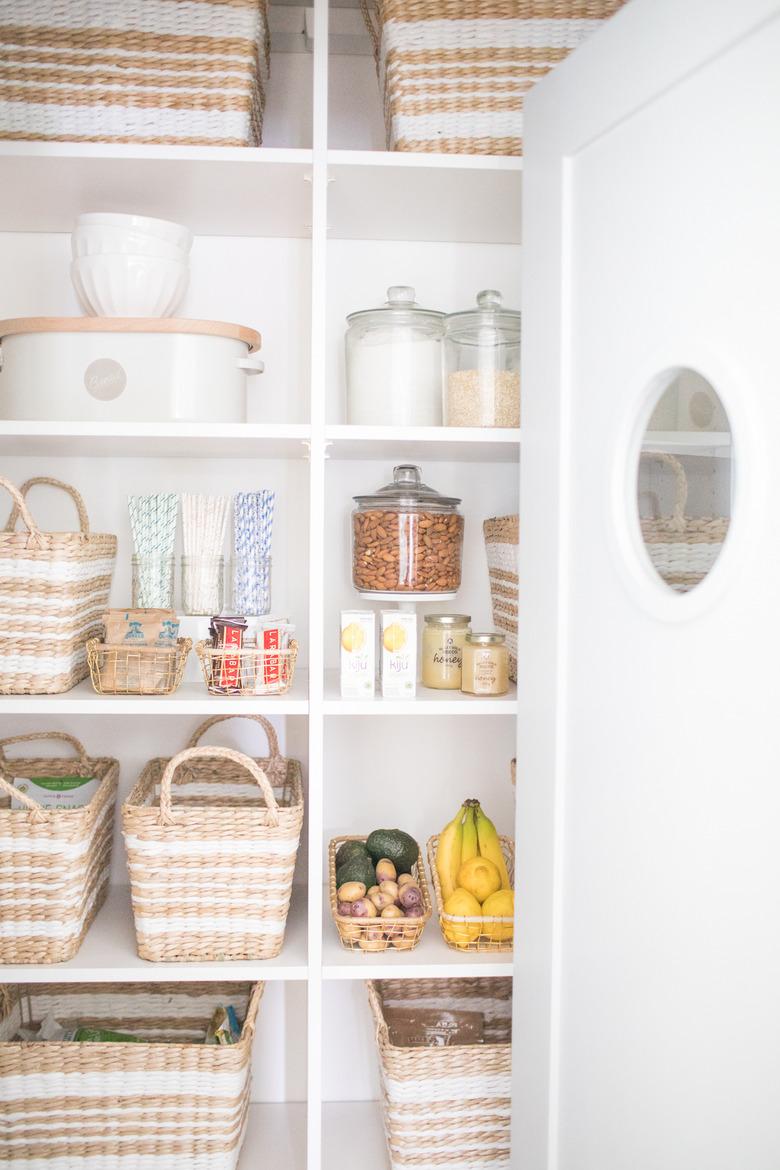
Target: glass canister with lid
(485, 664)
(394, 363)
(442, 650)
(482, 365)
(407, 540)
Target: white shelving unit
(290, 237)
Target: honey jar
(485, 665)
(442, 650)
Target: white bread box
(131, 369)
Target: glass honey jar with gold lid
(444, 635)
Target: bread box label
(105, 379)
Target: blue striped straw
(253, 519)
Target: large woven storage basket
(158, 71)
(447, 1107)
(54, 864)
(502, 537)
(682, 548)
(212, 838)
(53, 590)
(454, 73)
(167, 1103)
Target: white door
(647, 990)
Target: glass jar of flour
(394, 363)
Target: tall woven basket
(447, 1106)
(682, 548)
(502, 537)
(166, 1102)
(54, 864)
(53, 590)
(454, 73)
(134, 71)
(212, 838)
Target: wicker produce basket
(682, 548)
(447, 1106)
(54, 864)
(454, 73)
(53, 590)
(372, 934)
(167, 1101)
(137, 670)
(460, 933)
(101, 71)
(502, 538)
(212, 838)
(247, 672)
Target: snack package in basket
(141, 627)
(272, 634)
(228, 633)
(433, 1027)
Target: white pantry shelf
(216, 191)
(717, 443)
(353, 1137)
(275, 1137)
(192, 698)
(447, 444)
(380, 195)
(108, 953)
(426, 702)
(430, 959)
(156, 440)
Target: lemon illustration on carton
(352, 637)
(394, 638)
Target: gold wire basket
(483, 934)
(247, 671)
(378, 934)
(137, 670)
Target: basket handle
(6, 1005)
(76, 744)
(369, 13)
(250, 1020)
(36, 810)
(381, 1029)
(18, 507)
(276, 767)
(677, 518)
(215, 753)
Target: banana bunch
(474, 880)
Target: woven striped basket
(447, 1107)
(53, 591)
(212, 838)
(167, 1102)
(454, 73)
(134, 71)
(682, 548)
(502, 537)
(54, 864)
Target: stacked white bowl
(129, 265)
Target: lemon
(498, 905)
(480, 877)
(395, 638)
(352, 637)
(462, 904)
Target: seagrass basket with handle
(53, 590)
(446, 1105)
(54, 865)
(212, 836)
(166, 1099)
(682, 548)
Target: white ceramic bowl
(164, 229)
(99, 239)
(129, 286)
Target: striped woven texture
(454, 73)
(682, 549)
(162, 71)
(53, 590)
(447, 1108)
(502, 535)
(212, 838)
(168, 1103)
(54, 865)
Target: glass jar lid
(407, 490)
(486, 639)
(400, 309)
(489, 324)
(446, 620)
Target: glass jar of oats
(442, 650)
(485, 665)
(482, 365)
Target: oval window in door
(684, 481)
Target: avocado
(396, 845)
(350, 849)
(357, 869)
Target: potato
(381, 900)
(385, 871)
(371, 891)
(403, 879)
(390, 888)
(410, 895)
(364, 908)
(392, 912)
(373, 940)
(351, 892)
